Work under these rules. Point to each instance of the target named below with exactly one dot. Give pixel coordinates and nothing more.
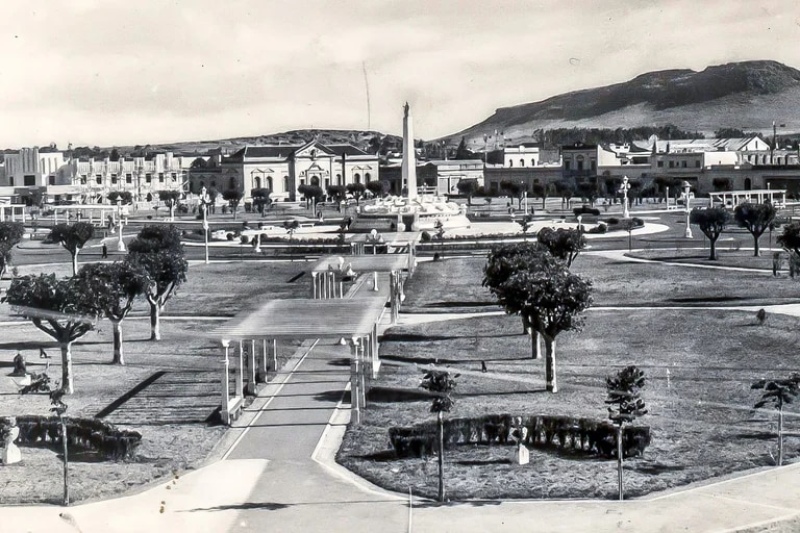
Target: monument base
(424, 213)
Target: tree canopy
(72, 237)
(378, 188)
(564, 244)
(261, 198)
(65, 309)
(712, 222)
(11, 234)
(790, 238)
(468, 188)
(755, 218)
(233, 197)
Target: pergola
(367, 241)
(324, 275)
(13, 211)
(90, 209)
(776, 197)
(354, 319)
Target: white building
(530, 155)
(35, 167)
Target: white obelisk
(409, 169)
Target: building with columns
(284, 168)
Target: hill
(747, 95)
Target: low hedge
(88, 434)
(544, 431)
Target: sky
(125, 72)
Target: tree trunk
(119, 358)
(756, 251)
(155, 316)
(536, 344)
(171, 213)
(550, 364)
(713, 255)
(66, 367)
(75, 262)
(619, 460)
(440, 419)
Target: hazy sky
(105, 72)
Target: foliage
(125, 196)
(170, 198)
(777, 392)
(462, 152)
(378, 188)
(468, 188)
(441, 384)
(261, 199)
(234, 198)
(583, 435)
(711, 221)
(11, 234)
(564, 244)
(116, 284)
(337, 192)
(356, 189)
(310, 192)
(755, 218)
(155, 238)
(790, 238)
(585, 210)
(624, 393)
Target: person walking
(105, 251)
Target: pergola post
(275, 355)
(240, 372)
(363, 374)
(253, 365)
(375, 280)
(313, 285)
(264, 366)
(376, 361)
(226, 416)
(355, 383)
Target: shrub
(613, 221)
(245, 239)
(229, 236)
(586, 210)
(600, 228)
(637, 222)
(425, 236)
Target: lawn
(173, 413)
(699, 362)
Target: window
(302, 181)
(128, 178)
(99, 179)
(522, 162)
(510, 163)
(594, 165)
(213, 184)
(51, 180)
(257, 182)
(232, 183)
(533, 162)
(11, 181)
(683, 164)
(339, 179)
(567, 164)
(83, 179)
(269, 182)
(660, 164)
(697, 163)
(367, 177)
(286, 183)
(327, 183)
(161, 177)
(114, 179)
(148, 178)
(672, 164)
(357, 178)
(29, 181)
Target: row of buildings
(707, 164)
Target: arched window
(533, 162)
(367, 177)
(315, 181)
(232, 183)
(269, 182)
(286, 183)
(522, 162)
(510, 163)
(213, 184)
(357, 178)
(339, 179)
(327, 183)
(257, 182)
(747, 184)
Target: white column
(313, 285)
(253, 364)
(375, 281)
(240, 372)
(275, 355)
(355, 395)
(363, 376)
(376, 361)
(226, 417)
(264, 358)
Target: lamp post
(204, 207)
(686, 189)
(580, 226)
(375, 238)
(624, 190)
(120, 225)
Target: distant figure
(19, 365)
(761, 316)
(105, 251)
(776, 263)
(43, 354)
(483, 367)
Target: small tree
(624, 391)
(116, 285)
(261, 199)
(543, 289)
(357, 190)
(712, 221)
(468, 188)
(291, 226)
(158, 252)
(65, 309)
(337, 193)
(778, 392)
(11, 234)
(72, 237)
(525, 226)
(378, 188)
(441, 385)
(755, 218)
(564, 244)
(171, 199)
(233, 197)
(789, 240)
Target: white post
(354, 383)
(275, 355)
(313, 285)
(376, 362)
(240, 372)
(625, 187)
(686, 188)
(264, 358)
(258, 243)
(205, 229)
(375, 281)
(363, 341)
(253, 364)
(120, 242)
(226, 416)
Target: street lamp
(624, 190)
(686, 189)
(204, 208)
(580, 226)
(375, 238)
(120, 225)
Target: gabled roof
(347, 149)
(286, 151)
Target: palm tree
(778, 392)
(441, 385)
